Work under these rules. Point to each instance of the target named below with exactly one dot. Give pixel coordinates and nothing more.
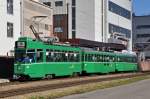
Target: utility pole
(67, 20)
(22, 17)
(102, 20)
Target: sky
(141, 7)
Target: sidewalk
(4, 80)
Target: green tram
(35, 59)
(107, 62)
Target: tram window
(89, 58)
(113, 58)
(86, 57)
(57, 56)
(125, 59)
(110, 59)
(101, 58)
(121, 59)
(49, 56)
(77, 57)
(19, 55)
(83, 58)
(134, 59)
(129, 59)
(71, 57)
(90, 55)
(25, 57)
(98, 58)
(104, 58)
(39, 55)
(65, 56)
(107, 59)
(93, 58)
(31, 56)
(118, 60)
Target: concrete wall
(7, 43)
(85, 21)
(43, 25)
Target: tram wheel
(49, 76)
(75, 74)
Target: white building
(97, 20)
(9, 25)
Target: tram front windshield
(22, 56)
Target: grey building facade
(141, 34)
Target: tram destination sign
(20, 44)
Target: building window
(113, 28)
(143, 27)
(47, 3)
(119, 10)
(73, 34)
(59, 3)
(73, 2)
(143, 35)
(10, 6)
(10, 29)
(58, 19)
(73, 18)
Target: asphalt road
(139, 90)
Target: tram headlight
(27, 67)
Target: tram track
(51, 86)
